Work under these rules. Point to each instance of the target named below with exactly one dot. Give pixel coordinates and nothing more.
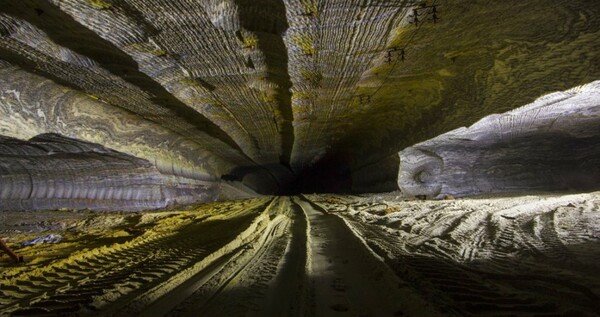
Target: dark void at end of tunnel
(331, 174)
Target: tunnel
(299, 158)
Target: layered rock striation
(282, 95)
(548, 145)
(50, 171)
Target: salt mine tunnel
(299, 158)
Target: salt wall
(52, 172)
(550, 144)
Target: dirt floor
(314, 255)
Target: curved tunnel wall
(288, 95)
(548, 145)
(52, 172)
(32, 105)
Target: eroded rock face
(551, 144)
(51, 172)
(275, 91)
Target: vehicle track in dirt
(311, 256)
(241, 285)
(347, 278)
(103, 279)
(502, 259)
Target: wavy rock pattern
(216, 87)
(273, 90)
(481, 57)
(550, 144)
(52, 172)
(32, 105)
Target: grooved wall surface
(52, 172)
(271, 88)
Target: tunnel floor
(311, 255)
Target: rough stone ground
(314, 255)
(496, 256)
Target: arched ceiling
(281, 85)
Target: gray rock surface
(51, 172)
(550, 144)
(282, 90)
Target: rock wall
(50, 171)
(480, 57)
(32, 105)
(280, 89)
(205, 54)
(550, 144)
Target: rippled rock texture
(273, 93)
(51, 172)
(551, 144)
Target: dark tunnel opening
(331, 174)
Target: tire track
(346, 278)
(450, 287)
(245, 284)
(110, 277)
(497, 284)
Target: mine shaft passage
(329, 158)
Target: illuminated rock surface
(53, 172)
(551, 144)
(282, 95)
(119, 106)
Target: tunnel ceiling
(281, 85)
